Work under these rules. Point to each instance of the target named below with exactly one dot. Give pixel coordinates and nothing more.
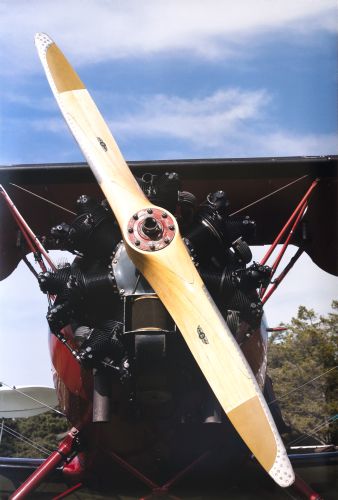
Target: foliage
(42, 430)
(307, 350)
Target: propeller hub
(151, 229)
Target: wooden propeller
(153, 242)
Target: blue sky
(178, 79)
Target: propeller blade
(91, 132)
(154, 244)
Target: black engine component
(163, 190)
(58, 316)
(93, 232)
(237, 290)
(236, 228)
(242, 251)
(213, 233)
(254, 277)
(250, 308)
(221, 285)
(208, 224)
(135, 335)
(233, 319)
(72, 283)
(103, 342)
(55, 282)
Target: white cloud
(40, 103)
(229, 123)
(94, 30)
(53, 124)
(286, 143)
(202, 121)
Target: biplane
(158, 336)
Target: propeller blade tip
(42, 42)
(282, 472)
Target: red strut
(65, 448)
(31, 239)
(294, 214)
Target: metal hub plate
(151, 229)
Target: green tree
(42, 430)
(307, 350)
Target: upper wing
(244, 180)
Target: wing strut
(32, 240)
(293, 221)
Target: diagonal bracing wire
(42, 198)
(26, 440)
(312, 432)
(267, 196)
(302, 385)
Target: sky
(178, 79)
